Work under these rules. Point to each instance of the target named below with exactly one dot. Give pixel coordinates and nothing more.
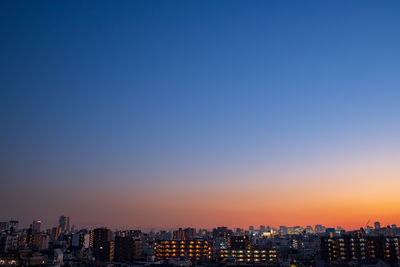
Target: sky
(163, 114)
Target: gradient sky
(200, 113)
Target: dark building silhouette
(100, 243)
(127, 249)
(239, 242)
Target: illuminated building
(63, 226)
(247, 255)
(100, 243)
(9, 259)
(29, 237)
(319, 229)
(359, 247)
(12, 242)
(197, 249)
(221, 237)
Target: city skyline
(257, 227)
(65, 224)
(66, 245)
(160, 114)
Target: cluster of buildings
(64, 245)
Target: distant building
(12, 242)
(189, 233)
(63, 226)
(283, 230)
(36, 225)
(178, 234)
(377, 225)
(239, 243)
(11, 226)
(319, 229)
(221, 237)
(41, 241)
(309, 229)
(238, 231)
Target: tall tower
(36, 225)
(63, 223)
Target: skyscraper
(377, 225)
(36, 225)
(63, 223)
(63, 226)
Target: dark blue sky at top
(128, 88)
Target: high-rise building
(319, 229)
(29, 237)
(100, 243)
(221, 236)
(309, 229)
(262, 228)
(178, 234)
(190, 233)
(63, 223)
(184, 234)
(63, 227)
(377, 225)
(127, 249)
(41, 241)
(36, 225)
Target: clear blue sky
(187, 93)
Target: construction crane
(367, 223)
